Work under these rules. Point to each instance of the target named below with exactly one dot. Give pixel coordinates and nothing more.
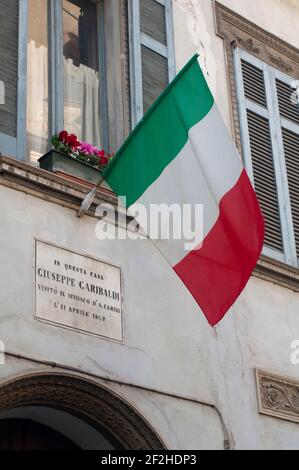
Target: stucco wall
(264, 321)
(194, 27)
(168, 344)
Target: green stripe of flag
(161, 134)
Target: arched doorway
(84, 413)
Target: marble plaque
(77, 291)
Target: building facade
(143, 369)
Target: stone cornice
(228, 21)
(278, 273)
(45, 185)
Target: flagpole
(89, 198)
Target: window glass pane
(37, 80)
(9, 17)
(154, 76)
(81, 70)
(152, 20)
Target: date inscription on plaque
(77, 292)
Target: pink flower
(87, 148)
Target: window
(92, 67)
(12, 31)
(58, 80)
(64, 76)
(81, 52)
(269, 122)
(152, 52)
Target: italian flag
(181, 152)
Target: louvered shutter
(152, 54)
(154, 65)
(9, 21)
(154, 76)
(287, 109)
(289, 119)
(257, 126)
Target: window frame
(56, 79)
(130, 95)
(138, 39)
(16, 146)
(276, 123)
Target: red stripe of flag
(217, 273)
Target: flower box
(79, 161)
(70, 167)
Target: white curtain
(81, 102)
(37, 100)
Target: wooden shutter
(289, 120)
(153, 20)
(154, 76)
(291, 152)
(152, 52)
(259, 156)
(9, 21)
(154, 65)
(287, 109)
(254, 84)
(264, 177)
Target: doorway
(71, 412)
(24, 434)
